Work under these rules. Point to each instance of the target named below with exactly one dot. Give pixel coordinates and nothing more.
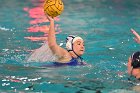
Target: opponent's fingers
(137, 40)
(135, 33)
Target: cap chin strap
(76, 54)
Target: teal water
(104, 25)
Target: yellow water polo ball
(53, 8)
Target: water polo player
(74, 44)
(134, 65)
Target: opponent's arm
(137, 36)
(129, 67)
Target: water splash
(42, 54)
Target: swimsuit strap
(72, 62)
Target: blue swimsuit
(73, 62)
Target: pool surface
(104, 25)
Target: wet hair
(135, 59)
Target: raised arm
(51, 34)
(56, 49)
(137, 36)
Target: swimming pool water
(105, 26)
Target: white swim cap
(70, 40)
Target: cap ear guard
(69, 41)
(69, 46)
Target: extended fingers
(135, 33)
(137, 40)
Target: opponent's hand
(137, 36)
